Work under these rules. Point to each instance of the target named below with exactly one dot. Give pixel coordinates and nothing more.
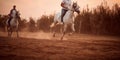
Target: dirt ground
(42, 46)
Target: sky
(36, 8)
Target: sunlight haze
(36, 8)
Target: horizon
(37, 8)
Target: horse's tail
(52, 25)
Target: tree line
(99, 20)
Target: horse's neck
(14, 19)
(70, 13)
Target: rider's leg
(62, 14)
(9, 21)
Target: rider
(65, 4)
(13, 13)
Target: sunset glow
(36, 8)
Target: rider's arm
(63, 5)
(10, 12)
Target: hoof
(70, 34)
(61, 38)
(17, 36)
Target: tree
(44, 23)
(32, 27)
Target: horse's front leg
(63, 35)
(17, 33)
(73, 27)
(11, 32)
(8, 32)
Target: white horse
(13, 25)
(68, 19)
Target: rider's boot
(9, 21)
(62, 19)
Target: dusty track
(76, 47)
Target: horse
(14, 24)
(68, 19)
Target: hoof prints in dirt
(39, 49)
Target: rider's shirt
(13, 13)
(67, 3)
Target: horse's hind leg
(62, 35)
(73, 28)
(8, 32)
(54, 34)
(52, 26)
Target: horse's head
(16, 18)
(76, 7)
(18, 15)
